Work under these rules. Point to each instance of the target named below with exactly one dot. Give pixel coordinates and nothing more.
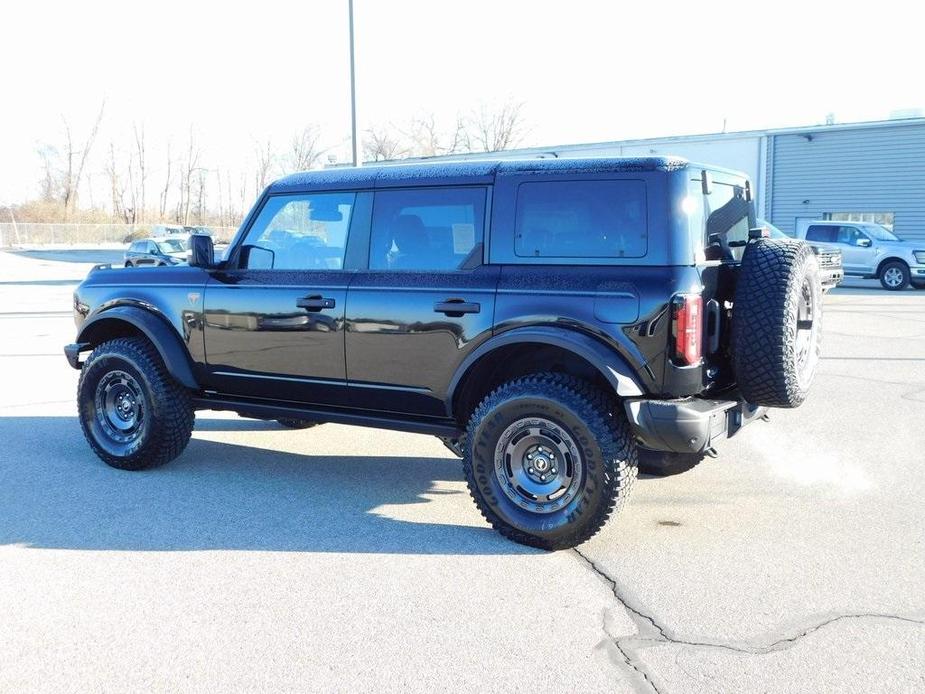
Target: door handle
(315, 302)
(454, 308)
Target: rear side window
(427, 229)
(581, 219)
(818, 232)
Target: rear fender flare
(611, 365)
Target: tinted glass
(849, 235)
(581, 219)
(826, 234)
(729, 212)
(301, 232)
(171, 245)
(426, 229)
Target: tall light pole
(353, 91)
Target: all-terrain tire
(160, 419)
(776, 322)
(665, 464)
(296, 423)
(894, 276)
(594, 439)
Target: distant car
(160, 231)
(156, 252)
(830, 260)
(871, 251)
(188, 230)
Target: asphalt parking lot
(342, 558)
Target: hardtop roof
(481, 171)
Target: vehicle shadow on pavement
(55, 493)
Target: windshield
(171, 246)
(878, 232)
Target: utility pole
(353, 92)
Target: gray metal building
(864, 172)
(873, 171)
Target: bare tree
(380, 144)
(142, 171)
(51, 176)
(304, 150)
(492, 130)
(76, 161)
(221, 199)
(265, 160)
(116, 191)
(190, 169)
(425, 136)
(165, 191)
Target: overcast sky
(586, 71)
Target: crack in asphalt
(651, 631)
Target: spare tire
(776, 322)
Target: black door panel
(261, 341)
(402, 348)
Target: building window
(882, 218)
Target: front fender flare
(163, 336)
(612, 366)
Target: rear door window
(427, 229)
(826, 233)
(581, 219)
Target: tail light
(687, 327)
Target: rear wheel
(128, 264)
(132, 412)
(894, 276)
(548, 459)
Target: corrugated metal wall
(872, 169)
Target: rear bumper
(688, 425)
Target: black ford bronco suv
(555, 322)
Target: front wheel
(548, 459)
(132, 412)
(894, 276)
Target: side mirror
(201, 251)
(864, 243)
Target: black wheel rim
(538, 465)
(806, 333)
(120, 407)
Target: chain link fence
(57, 234)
